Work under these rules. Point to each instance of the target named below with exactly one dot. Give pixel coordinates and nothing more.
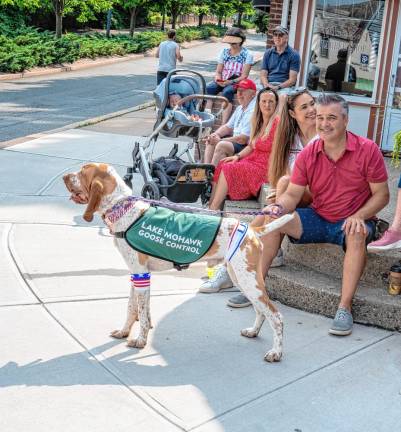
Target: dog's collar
(119, 209)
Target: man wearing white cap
(232, 137)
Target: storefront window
(345, 45)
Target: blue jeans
(228, 91)
(315, 229)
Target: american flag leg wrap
(141, 282)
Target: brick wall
(276, 9)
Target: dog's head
(89, 185)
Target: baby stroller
(170, 176)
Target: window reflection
(345, 43)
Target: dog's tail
(273, 224)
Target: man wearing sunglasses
(281, 63)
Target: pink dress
(245, 178)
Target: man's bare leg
(209, 152)
(226, 114)
(223, 149)
(354, 263)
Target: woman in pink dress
(241, 176)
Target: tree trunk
(175, 12)
(200, 19)
(59, 25)
(219, 21)
(58, 7)
(239, 19)
(132, 21)
(163, 26)
(174, 17)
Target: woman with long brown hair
(242, 175)
(296, 129)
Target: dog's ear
(96, 190)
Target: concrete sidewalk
(64, 287)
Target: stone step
(328, 259)
(304, 288)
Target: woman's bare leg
(220, 193)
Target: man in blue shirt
(281, 63)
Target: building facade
(351, 47)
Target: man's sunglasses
(280, 35)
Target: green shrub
(23, 48)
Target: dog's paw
(249, 332)
(136, 343)
(273, 356)
(119, 334)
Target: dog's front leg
(132, 316)
(142, 296)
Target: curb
(76, 125)
(102, 61)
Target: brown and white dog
(99, 187)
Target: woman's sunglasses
(297, 91)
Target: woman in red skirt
(241, 176)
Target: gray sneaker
(238, 301)
(221, 280)
(342, 323)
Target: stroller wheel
(150, 191)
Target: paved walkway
(64, 288)
(41, 103)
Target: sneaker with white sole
(391, 240)
(342, 323)
(278, 260)
(221, 280)
(238, 301)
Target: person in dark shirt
(336, 72)
(281, 63)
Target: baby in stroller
(180, 108)
(173, 101)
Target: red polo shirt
(341, 188)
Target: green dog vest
(181, 238)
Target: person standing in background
(168, 52)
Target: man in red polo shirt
(347, 177)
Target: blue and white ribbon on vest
(236, 239)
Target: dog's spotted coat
(100, 188)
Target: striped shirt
(233, 65)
